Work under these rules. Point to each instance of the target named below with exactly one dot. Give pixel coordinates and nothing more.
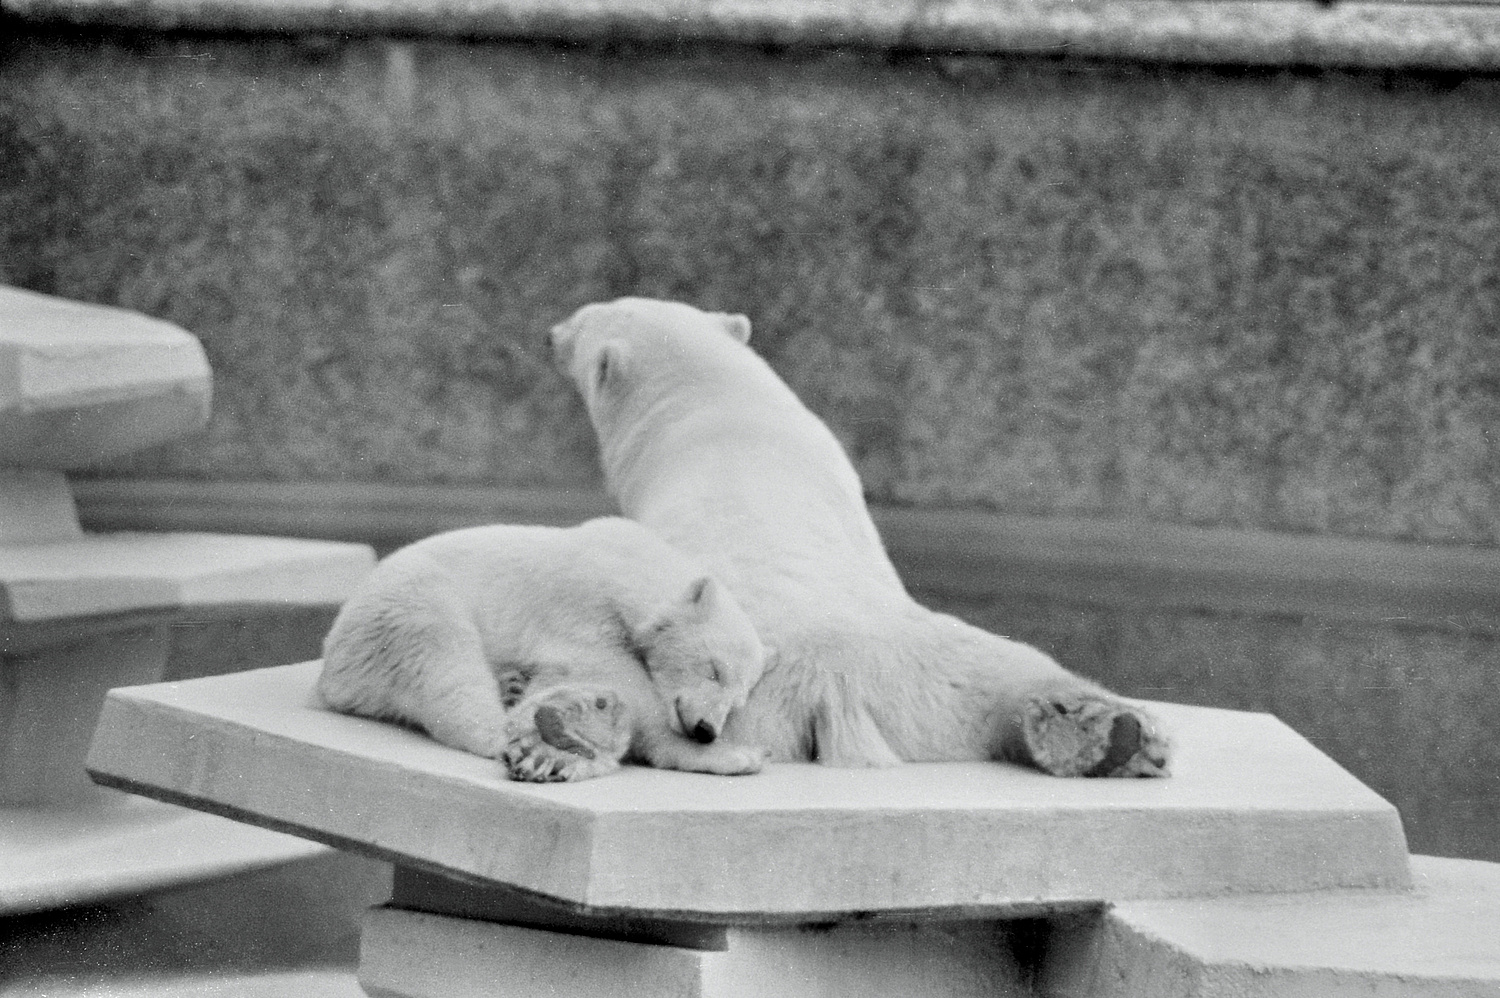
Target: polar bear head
(650, 371)
(703, 656)
(603, 339)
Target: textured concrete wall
(1247, 300)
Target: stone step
(1252, 807)
(124, 846)
(121, 572)
(81, 615)
(1441, 939)
(288, 931)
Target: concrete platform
(1440, 939)
(82, 615)
(1252, 807)
(291, 931)
(81, 382)
(114, 573)
(125, 846)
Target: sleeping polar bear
(703, 443)
(559, 651)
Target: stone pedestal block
(286, 931)
(1439, 940)
(1258, 869)
(81, 613)
(36, 507)
(409, 954)
(52, 700)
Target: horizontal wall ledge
(1137, 566)
(1248, 32)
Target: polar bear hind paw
(1079, 734)
(567, 733)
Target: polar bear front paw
(1081, 734)
(728, 760)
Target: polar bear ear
(737, 326)
(562, 337)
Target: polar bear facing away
(559, 651)
(703, 443)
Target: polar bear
(559, 651)
(703, 443)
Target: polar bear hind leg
(1051, 718)
(414, 660)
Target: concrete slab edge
(178, 851)
(1436, 939)
(1272, 32)
(970, 553)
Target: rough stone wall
(1251, 300)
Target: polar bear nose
(700, 730)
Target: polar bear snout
(700, 720)
(699, 730)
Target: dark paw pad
(553, 728)
(1125, 740)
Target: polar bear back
(700, 438)
(541, 594)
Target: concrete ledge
(114, 573)
(1416, 35)
(57, 858)
(82, 382)
(1438, 940)
(1252, 807)
(291, 930)
(1118, 564)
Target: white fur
(702, 442)
(440, 624)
